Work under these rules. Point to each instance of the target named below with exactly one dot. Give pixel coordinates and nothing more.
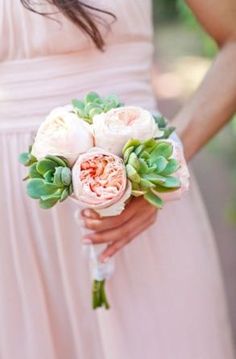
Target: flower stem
(99, 298)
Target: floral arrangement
(100, 153)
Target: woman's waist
(31, 88)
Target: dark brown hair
(81, 14)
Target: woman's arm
(214, 102)
(209, 109)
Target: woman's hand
(120, 230)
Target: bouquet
(101, 153)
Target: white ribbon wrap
(99, 270)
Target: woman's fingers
(123, 231)
(113, 248)
(98, 224)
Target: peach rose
(100, 182)
(62, 134)
(114, 128)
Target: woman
(166, 294)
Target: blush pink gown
(167, 295)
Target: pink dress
(167, 295)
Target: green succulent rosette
(150, 168)
(49, 179)
(93, 104)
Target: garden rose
(100, 182)
(62, 134)
(114, 128)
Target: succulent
(93, 104)
(49, 179)
(162, 123)
(150, 168)
(26, 158)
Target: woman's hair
(80, 14)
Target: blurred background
(184, 53)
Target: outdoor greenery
(177, 11)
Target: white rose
(62, 134)
(113, 129)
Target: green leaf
(95, 111)
(132, 174)
(48, 203)
(90, 106)
(167, 132)
(164, 149)
(145, 155)
(161, 121)
(66, 176)
(56, 194)
(145, 184)
(45, 165)
(155, 178)
(132, 142)
(143, 166)
(24, 158)
(70, 189)
(27, 159)
(134, 161)
(162, 189)
(49, 176)
(78, 104)
(160, 163)
(171, 167)
(172, 182)
(57, 177)
(127, 153)
(153, 199)
(80, 113)
(37, 187)
(58, 160)
(33, 173)
(91, 97)
(64, 194)
(150, 143)
(113, 99)
(137, 193)
(139, 149)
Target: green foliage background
(177, 10)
